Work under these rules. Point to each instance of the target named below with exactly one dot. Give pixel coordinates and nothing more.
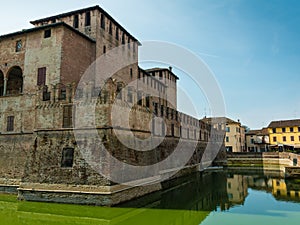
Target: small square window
(284, 138)
(67, 157)
(47, 33)
(292, 138)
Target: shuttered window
(68, 116)
(41, 78)
(10, 123)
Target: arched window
(15, 81)
(1, 83)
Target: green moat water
(207, 199)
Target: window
(227, 129)
(283, 130)
(76, 21)
(252, 141)
(155, 108)
(162, 110)
(102, 21)
(119, 90)
(160, 75)
(104, 49)
(123, 39)
(18, 46)
(88, 19)
(140, 100)
(110, 28)
(172, 130)
(67, 116)
(274, 139)
(129, 95)
(67, 157)
(229, 185)
(131, 73)
(46, 94)
(128, 43)
(47, 33)
(41, 78)
(291, 129)
(167, 112)
(10, 123)
(148, 101)
(62, 93)
(284, 138)
(298, 129)
(117, 33)
(163, 129)
(133, 45)
(292, 138)
(274, 130)
(227, 139)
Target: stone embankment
(287, 163)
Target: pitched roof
(284, 123)
(222, 119)
(25, 31)
(263, 131)
(253, 132)
(79, 11)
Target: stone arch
(1, 83)
(14, 81)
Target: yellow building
(281, 191)
(285, 134)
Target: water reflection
(189, 200)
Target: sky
(251, 46)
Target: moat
(221, 197)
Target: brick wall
(78, 53)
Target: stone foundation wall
(14, 151)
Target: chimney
(170, 68)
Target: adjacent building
(284, 134)
(234, 140)
(257, 140)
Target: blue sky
(252, 46)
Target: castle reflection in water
(222, 190)
(187, 200)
